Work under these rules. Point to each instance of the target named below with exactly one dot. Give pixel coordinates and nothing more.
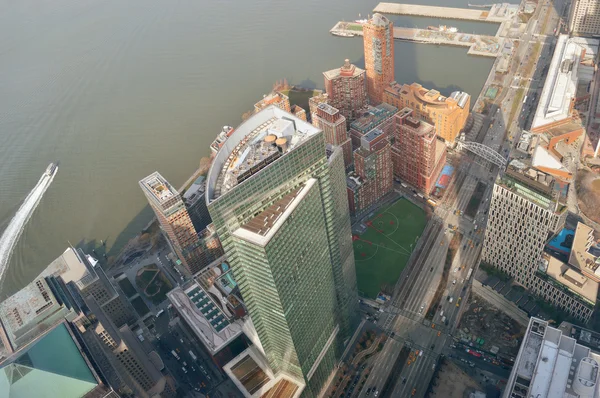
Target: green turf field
(382, 251)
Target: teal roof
(51, 367)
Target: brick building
(375, 117)
(378, 35)
(346, 90)
(333, 124)
(276, 98)
(447, 114)
(418, 156)
(373, 177)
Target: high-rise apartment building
(418, 156)
(347, 90)
(447, 114)
(298, 111)
(195, 252)
(373, 177)
(313, 104)
(378, 35)
(276, 98)
(333, 124)
(280, 209)
(527, 208)
(375, 117)
(584, 18)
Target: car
(368, 391)
(414, 391)
(440, 333)
(363, 367)
(392, 334)
(404, 380)
(376, 393)
(431, 269)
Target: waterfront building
(375, 117)
(298, 111)
(527, 208)
(194, 251)
(584, 18)
(373, 177)
(553, 363)
(52, 366)
(347, 90)
(279, 205)
(333, 124)
(313, 104)
(418, 156)
(276, 98)
(378, 39)
(447, 114)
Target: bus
(525, 99)
(192, 355)
(431, 202)
(469, 273)
(175, 354)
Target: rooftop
(348, 70)
(274, 97)
(530, 183)
(373, 117)
(430, 97)
(204, 316)
(585, 252)
(263, 227)
(572, 279)
(551, 364)
(195, 191)
(158, 187)
(561, 83)
(330, 110)
(251, 374)
(256, 143)
(26, 306)
(36, 372)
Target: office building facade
(584, 18)
(279, 206)
(447, 114)
(418, 156)
(347, 90)
(378, 36)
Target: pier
(487, 46)
(497, 14)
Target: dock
(497, 14)
(486, 46)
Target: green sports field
(383, 250)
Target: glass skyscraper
(277, 198)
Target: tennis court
(382, 251)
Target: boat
(51, 169)
(361, 21)
(435, 28)
(342, 34)
(449, 29)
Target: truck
(175, 354)
(404, 185)
(525, 99)
(444, 319)
(420, 195)
(192, 355)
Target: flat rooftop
(530, 183)
(158, 187)
(498, 13)
(561, 83)
(263, 222)
(256, 143)
(373, 117)
(204, 316)
(553, 365)
(250, 373)
(585, 251)
(572, 279)
(25, 306)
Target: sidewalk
(501, 303)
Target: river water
(117, 89)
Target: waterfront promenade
(487, 46)
(497, 14)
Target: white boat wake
(13, 232)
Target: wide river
(117, 89)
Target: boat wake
(13, 231)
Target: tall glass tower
(277, 198)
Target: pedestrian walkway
(500, 302)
